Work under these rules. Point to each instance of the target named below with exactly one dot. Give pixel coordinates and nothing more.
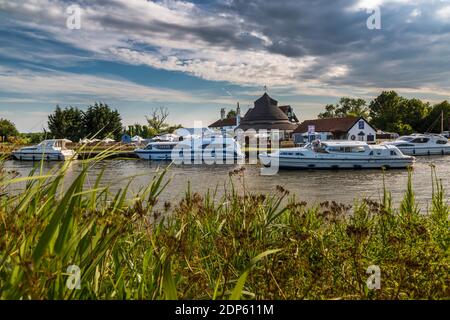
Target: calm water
(311, 186)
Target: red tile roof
(328, 125)
(228, 122)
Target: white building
(347, 128)
(227, 124)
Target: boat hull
(334, 164)
(167, 156)
(50, 156)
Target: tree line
(156, 125)
(97, 121)
(391, 112)
(388, 112)
(100, 121)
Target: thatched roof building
(266, 115)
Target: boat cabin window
(420, 140)
(165, 146)
(405, 145)
(393, 153)
(407, 139)
(442, 142)
(356, 149)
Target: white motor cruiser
(54, 149)
(209, 149)
(338, 155)
(422, 144)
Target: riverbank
(112, 152)
(246, 245)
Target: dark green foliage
(101, 121)
(239, 245)
(347, 107)
(35, 137)
(393, 113)
(7, 130)
(231, 114)
(432, 121)
(66, 123)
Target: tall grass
(239, 246)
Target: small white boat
(54, 149)
(210, 149)
(422, 144)
(338, 155)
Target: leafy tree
(66, 123)
(413, 112)
(385, 112)
(231, 114)
(391, 112)
(35, 137)
(101, 121)
(157, 122)
(7, 129)
(345, 108)
(432, 121)
(140, 130)
(330, 111)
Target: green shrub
(238, 246)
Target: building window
(361, 125)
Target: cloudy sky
(196, 57)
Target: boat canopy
(344, 143)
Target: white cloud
(51, 84)
(122, 30)
(416, 13)
(444, 13)
(370, 4)
(187, 53)
(337, 71)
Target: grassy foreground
(240, 246)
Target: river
(310, 186)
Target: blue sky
(197, 57)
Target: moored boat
(210, 149)
(51, 150)
(338, 155)
(422, 144)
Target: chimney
(222, 114)
(238, 115)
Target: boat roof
(415, 135)
(57, 140)
(344, 143)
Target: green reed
(236, 246)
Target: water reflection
(311, 186)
